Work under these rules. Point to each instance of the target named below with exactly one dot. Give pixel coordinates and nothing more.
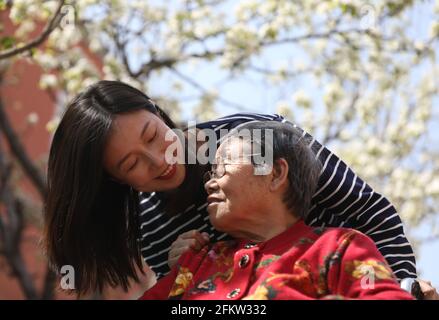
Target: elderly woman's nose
(210, 186)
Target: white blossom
(284, 109)
(48, 81)
(52, 124)
(301, 98)
(32, 118)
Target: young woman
(113, 199)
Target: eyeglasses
(218, 170)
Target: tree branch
(53, 23)
(269, 72)
(19, 152)
(11, 230)
(329, 137)
(10, 234)
(324, 35)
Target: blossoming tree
(361, 76)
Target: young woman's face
(135, 153)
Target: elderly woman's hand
(192, 239)
(428, 290)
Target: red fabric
(300, 263)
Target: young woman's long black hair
(91, 220)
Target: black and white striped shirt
(342, 199)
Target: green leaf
(33, 51)
(7, 42)
(350, 9)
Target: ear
(279, 174)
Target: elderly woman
(274, 255)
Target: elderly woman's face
(237, 199)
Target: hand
(428, 290)
(189, 240)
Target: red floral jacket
(300, 263)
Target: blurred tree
(358, 75)
(12, 219)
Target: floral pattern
(359, 269)
(182, 281)
(322, 264)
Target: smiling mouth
(169, 172)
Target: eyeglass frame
(213, 173)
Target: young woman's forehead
(133, 117)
